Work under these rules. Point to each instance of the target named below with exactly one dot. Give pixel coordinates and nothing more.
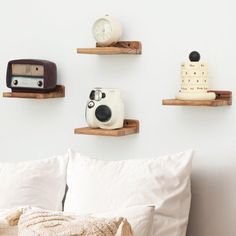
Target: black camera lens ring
(103, 113)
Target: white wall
(169, 30)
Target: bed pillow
(36, 183)
(139, 217)
(99, 186)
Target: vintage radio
(28, 75)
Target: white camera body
(105, 109)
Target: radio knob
(40, 83)
(15, 82)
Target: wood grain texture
(223, 98)
(130, 127)
(121, 47)
(59, 92)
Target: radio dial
(15, 82)
(40, 83)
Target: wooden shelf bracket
(121, 47)
(59, 92)
(223, 98)
(130, 127)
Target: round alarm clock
(107, 30)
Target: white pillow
(99, 186)
(36, 183)
(139, 217)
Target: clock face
(102, 30)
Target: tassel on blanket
(13, 218)
(126, 229)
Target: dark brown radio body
(30, 75)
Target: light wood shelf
(59, 92)
(223, 98)
(130, 127)
(121, 47)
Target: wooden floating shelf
(121, 47)
(59, 92)
(130, 127)
(223, 98)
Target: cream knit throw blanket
(32, 222)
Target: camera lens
(103, 113)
